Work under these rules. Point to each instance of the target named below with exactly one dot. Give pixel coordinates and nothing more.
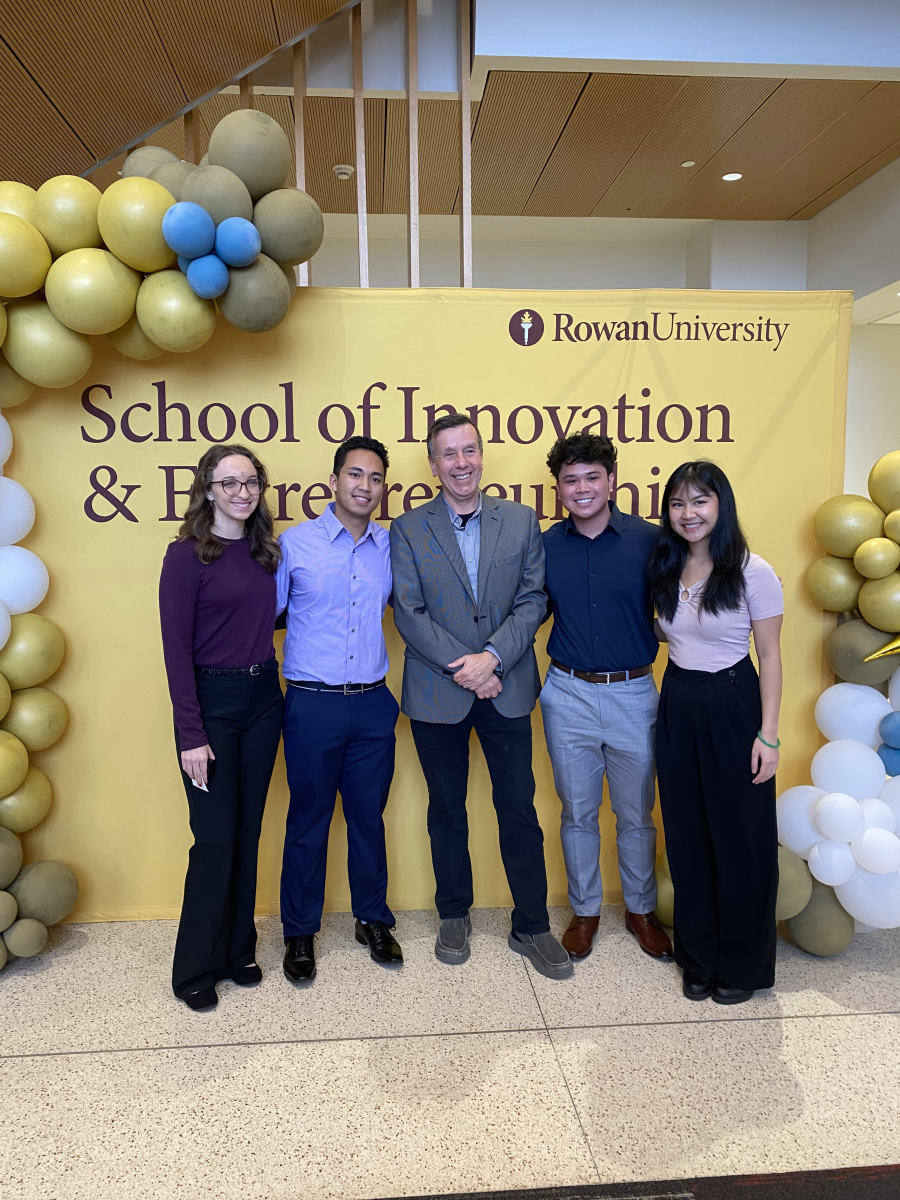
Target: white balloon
(890, 794)
(794, 811)
(831, 862)
(852, 710)
(5, 625)
(877, 851)
(23, 579)
(849, 767)
(894, 689)
(859, 927)
(872, 899)
(879, 815)
(16, 512)
(840, 817)
(5, 440)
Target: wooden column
(246, 90)
(191, 136)
(412, 95)
(465, 146)
(359, 122)
(299, 54)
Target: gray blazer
(438, 618)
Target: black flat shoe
(300, 958)
(723, 994)
(247, 976)
(203, 1000)
(695, 987)
(383, 946)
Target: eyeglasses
(232, 487)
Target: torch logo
(526, 328)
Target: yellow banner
(755, 381)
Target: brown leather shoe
(651, 936)
(579, 937)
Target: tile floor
(432, 1079)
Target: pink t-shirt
(701, 642)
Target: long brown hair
(198, 520)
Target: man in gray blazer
(468, 599)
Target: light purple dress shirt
(335, 591)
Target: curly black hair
(582, 448)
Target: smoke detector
(342, 170)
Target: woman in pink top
(717, 736)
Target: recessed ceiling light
(732, 176)
(690, 163)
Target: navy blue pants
(336, 743)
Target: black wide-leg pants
(216, 934)
(720, 828)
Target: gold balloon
(10, 857)
(892, 525)
(833, 583)
(843, 523)
(884, 482)
(13, 765)
(132, 342)
(46, 891)
(8, 910)
(849, 651)
(5, 697)
(879, 602)
(665, 897)
(65, 212)
(33, 651)
(24, 257)
(18, 199)
(171, 315)
(2, 323)
(43, 350)
(291, 226)
(90, 291)
(25, 937)
(130, 216)
(794, 885)
(877, 558)
(13, 388)
(37, 717)
(27, 806)
(823, 927)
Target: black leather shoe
(383, 946)
(723, 994)
(300, 958)
(247, 976)
(203, 1000)
(695, 987)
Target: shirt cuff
(499, 667)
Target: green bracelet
(777, 745)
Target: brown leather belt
(602, 676)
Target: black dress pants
(444, 754)
(216, 933)
(720, 828)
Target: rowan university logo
(526, 327)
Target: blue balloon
(208, 276)
(237, 242)
(189, 230)
(891, 759)
(890, 730)
(183, 263)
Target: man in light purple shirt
(335, 582)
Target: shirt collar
(455, 518)
(615, 521)
(334, 528)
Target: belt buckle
(256, 669)
(356, 691)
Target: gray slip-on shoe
(452, 945)
(545, 953)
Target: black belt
(256, 669)
(341, 689)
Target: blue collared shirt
(468, 538)
(335, 591)
(599, 595)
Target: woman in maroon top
(217, 609)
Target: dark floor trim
(847, 1183)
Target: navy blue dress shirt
(599, 598)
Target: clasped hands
(475, 672)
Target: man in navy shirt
(599, 699)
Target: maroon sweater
(220, 614)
